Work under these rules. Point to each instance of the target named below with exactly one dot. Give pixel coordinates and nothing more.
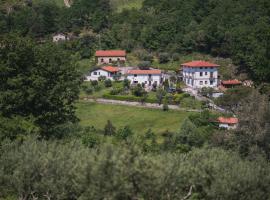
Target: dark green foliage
(126, 83)
(164, 57)
(108, 83)
(144, 65)
(165, 106)
(72, 171)
(94, 83)
(124, 133)
(39, 82)
(138, 90)
(109, 128)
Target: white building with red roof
(148, 77)
(109, 72)
(110, 56)
(228, 122)
(199, 74)
(230, 83)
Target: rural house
(199, 74)
(108, 72)
(60, 37)
(148, 77)
(110, 56)
(228, 123)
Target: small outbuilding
(228, 122)
(230, 83)
(147, 77)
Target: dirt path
(137, 104)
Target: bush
(128, 98)
(88, 90)
(102, 78)
(108, 83)
(175, 57)
(94, 83)
(164, 58)
(144, 65)
(165, 106)
(115, 91)
(138, 91)
(126, 83)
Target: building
(148, 77)
(110, 56)
(60, 37)
(230, 83)
(108, 72)
(228, 123)
(199, 74)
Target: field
(139, 119)
(119, 5)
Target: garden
(123, 91)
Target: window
(205, 82)
(110, 60)
(98, 73)
(135, 75)
(211, 82)
(206, 68)
(201, 82)
(206, 73)
(145, 82)
(135, 82)
(102, 60)
(211, 74)
(95, 73)
(118, 59)
(201, 74)
(201, 68)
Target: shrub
(102, 78)
(144, 65)
(175, 56)
(88, 90)
(164, 58)
(115, 91)
(126, 83)
(94, 83)
(138, 90)
(109, 129)
(165, 106)
(108, 83)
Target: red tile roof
(231, 82)
(110, 53)
(138, 71)
(110, 69)
(230, 120)
(199, 63)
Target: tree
(160, 94)
(109, 129)
(126, 83)
(165, 106)
(38, 81)
(138, 90)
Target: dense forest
(46, 154)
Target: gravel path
(137, 104)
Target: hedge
(127, 98)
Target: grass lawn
(120, 5)
(139, 119)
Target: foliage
(35, 169)
(164, 57)
(109, 128)
(138, 90)
(165, 106)
(160, 94)
(108, 83)
(38, 81)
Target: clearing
(139, 119)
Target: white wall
(144, 78)
(192, 77)
(227, 126)
(107, 59)
(94, 75)
(57, 38)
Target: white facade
(109, 60)
(94, 75)
(228, 126)
(199, 77)
(147, 79)
(59, 37)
